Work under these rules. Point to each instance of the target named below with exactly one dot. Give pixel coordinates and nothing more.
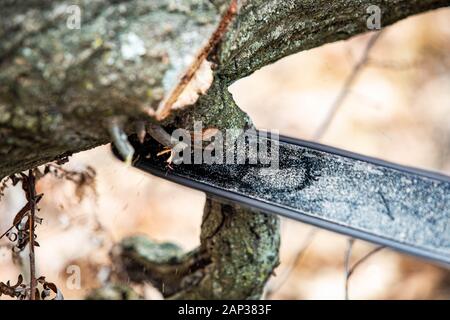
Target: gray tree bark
(237, 254)
(60, 88)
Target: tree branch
(237, 254)
(266, 31)
(345, 90)
(60, 87)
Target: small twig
(348, 254)
(350, 270)
(164, 138)
(140, 130)
(346, 87)
(26, 234)
(32, 199)
(120, 141)
(159, 134)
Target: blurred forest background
(397, 109)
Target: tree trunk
(60, 89)
(237, 254)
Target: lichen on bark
(237, 254)
(60, 87)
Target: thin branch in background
(346, 87)
(23, 233)
(298, 257)
(393, 65)
(32, 200)
(348, 254)
(350, 270)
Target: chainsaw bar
(403, 208)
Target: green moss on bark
(60, 87)
(238, 253)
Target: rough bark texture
(60, 88)
(237, 254)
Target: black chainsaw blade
(400, 207)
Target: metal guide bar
(404, 208)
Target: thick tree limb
(266, 31)
(59, 87)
